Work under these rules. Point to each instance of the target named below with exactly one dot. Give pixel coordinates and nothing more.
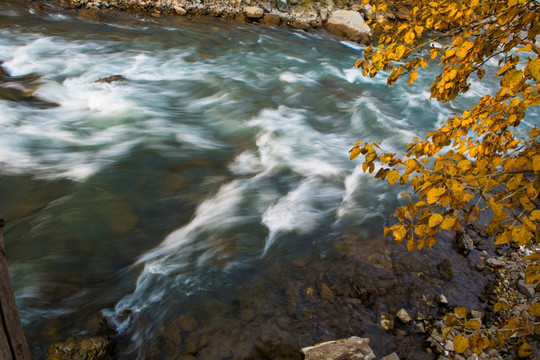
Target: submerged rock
(353, 348)
(92, 348)
(463, 243)
(110, 79)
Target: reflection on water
(205, 203)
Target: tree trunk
(12, 341)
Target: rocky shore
(346, 19)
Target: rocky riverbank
(346, 19)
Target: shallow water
(211, 187)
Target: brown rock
(92, 348)
(445, 269)
(353, 348)
(186, 322)
(325, 292)
(297, 24)
(463, 243)
(404, 316)
(270, 20)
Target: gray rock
(495, 263)
(404, 316)
(526, 289)
(449, 345)
(463, 243)
(353, 348)
(419, 328)
(253, 12)
(441, 299)
(282, 5)
(350, 25)
(367, 11)
(392, 356)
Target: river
(204, 202)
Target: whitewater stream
(203, 200)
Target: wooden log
(12, 341)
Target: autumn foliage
(485, 160)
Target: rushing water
(206, 202)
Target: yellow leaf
(461, 344)
(462, 311)
(472, 324)
(534, 309)
(434, 195)
(534, 68)
(435, 219)
(535, 215)
(448, 223)
(430, 241)
(412, 77)
(512, 78)
(399, 232)
(411, 245)
(525, 350)
(354, 152)
(392, 177)
(503, 238)
(527, 47)
(521, 235)
(433, 53)
(532, 274)
(419, 29)
(409, 37)
(500, 305)
(536, 163)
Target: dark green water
(212, 184)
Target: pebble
(441, 299)
(404, 316)
(526, 289)
(495, 263)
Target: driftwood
(12, 341)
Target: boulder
(253, 12)
(353, 348)
(271, 20)
(350, 25)
(91, 348)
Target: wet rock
(282, 5)
(419, 328)
(387, 322)
(495, 263)
(463, 243)
(92, 348)
(353, 348)
(92, 14)
(111, 79)
(445, 269)
(325, 292)
(477, 314)
(253, 12)
(297, 24)
(180, 10)
(186, 322)
(270, 20)
(526, 289)
(441, 299)
(350, 25)
(404, 316)
(392, 356)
